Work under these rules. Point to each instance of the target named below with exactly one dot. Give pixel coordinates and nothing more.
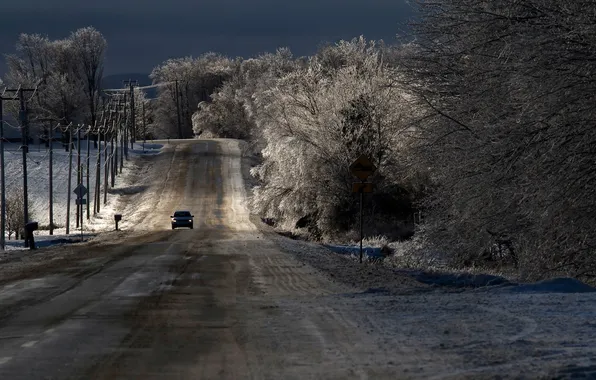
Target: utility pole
(97, 197)
(25, 145)
(116, 146)
(122, 132)
(51, 172)
(113, 143)
(106, 116)
(144, 125)
(79, 173)
(113, 152)
(88, 161)
(122, 128)
(178, 112)
(187, 115)
(50, 143)
(133, 128)
(96, 186)
(126, 135)
(117, 140)
(82, 168)
(105, 160)
(25, 150)
(2, 180)
(69, 178)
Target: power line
(2, 180)
(130, 83)
(161, 84)
(178, 111)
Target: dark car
(182, 219)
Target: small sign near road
(363, 167)
(80, 191)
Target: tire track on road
(79, 276)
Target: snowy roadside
(341, 264)
(442, 325)
(342, 268)
(127, 183)
(339, 268)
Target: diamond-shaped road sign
(80, 191)
(363, 167)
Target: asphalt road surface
(155, 303)
(224, 301)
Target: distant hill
(116, 81)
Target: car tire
(191, 226)
(173, 227)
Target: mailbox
(117, 218)
(31, 226)
(29, 238)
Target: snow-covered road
(233, 300)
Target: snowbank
(460, 280)
(555, 285)
(370, 252)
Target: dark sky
(143, 33)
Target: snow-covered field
(38, 188)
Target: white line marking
(49, 331)
(5, 360)
(29, 344)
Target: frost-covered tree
(62, 95)
(224, 116)
(231, 111)
(67, 74)
(15, 211)
(30, 65)
(142, 120)
(508, 128)
(89, 49)
(315, 122)
(197, 79)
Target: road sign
(80, 191)
(363, 167)
(362, 187)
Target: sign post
(362, 168)
(80, 192)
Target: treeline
(54, 87)
(67, 77)
(66, 74)
(484, 125)
(308, 118)
(506, 129)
